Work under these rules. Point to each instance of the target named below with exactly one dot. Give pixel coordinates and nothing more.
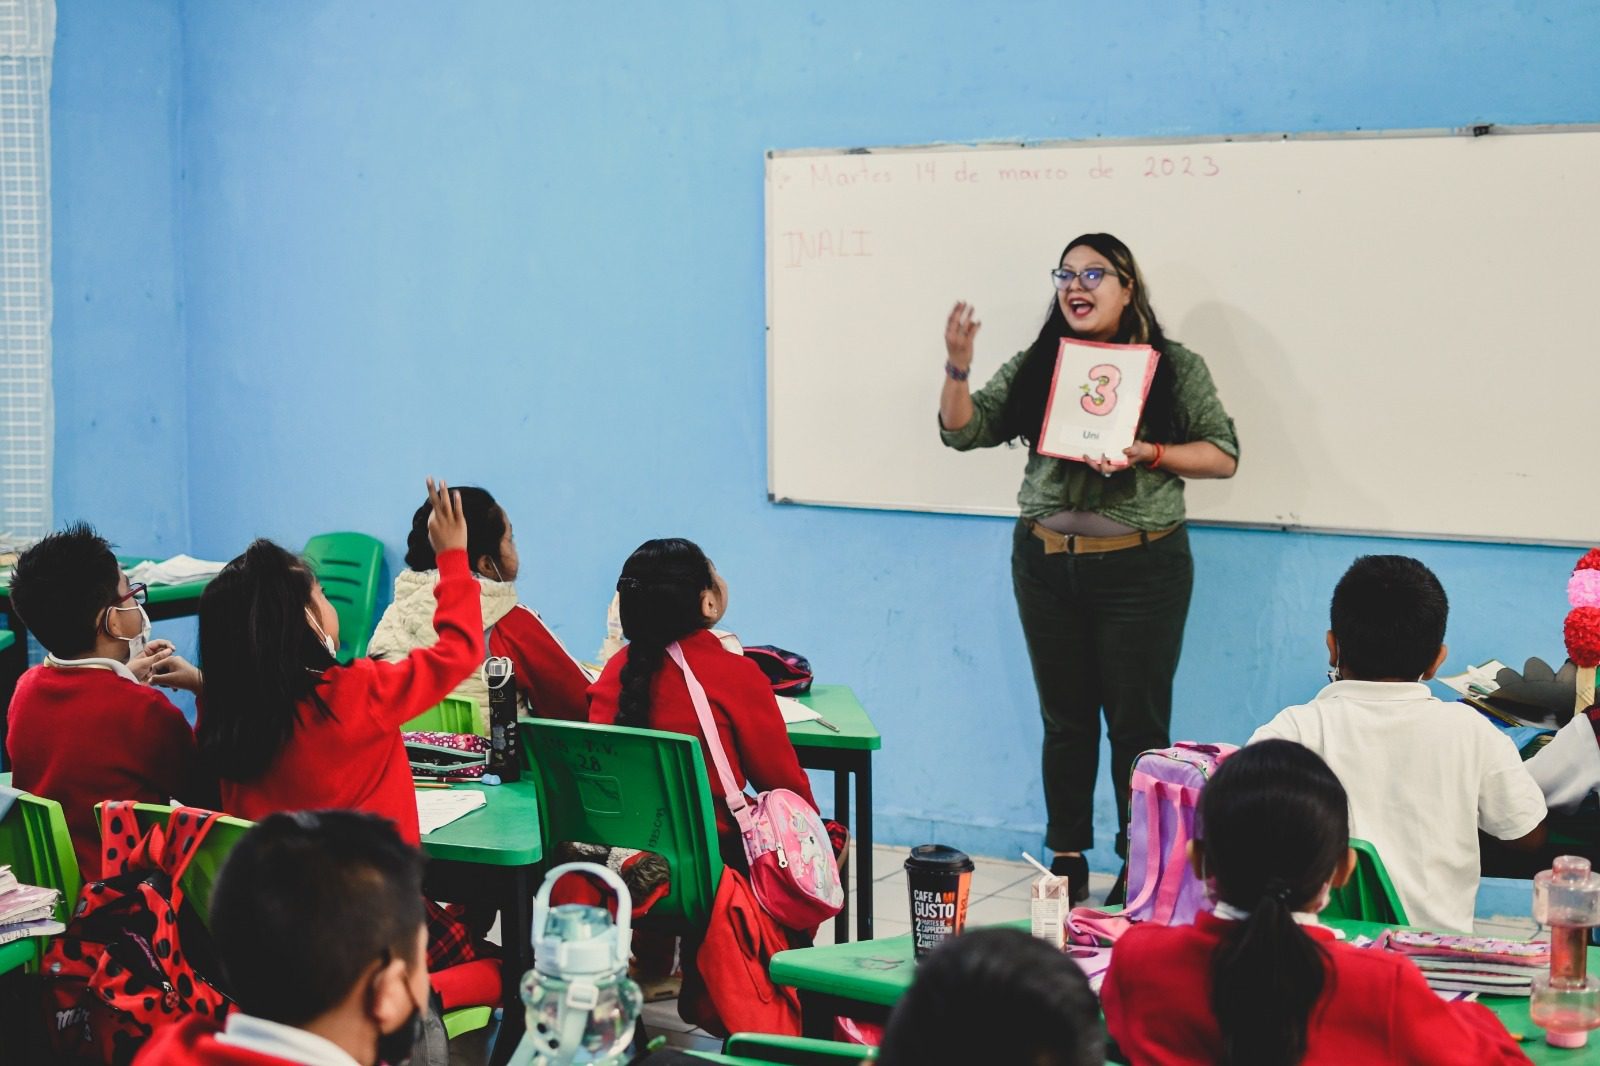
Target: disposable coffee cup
(939, 880)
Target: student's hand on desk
(144, 664)
(174, 671)
(447, 524)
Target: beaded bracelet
(955, 373)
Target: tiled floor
(999, 894)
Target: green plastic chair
(1369, 895)
(201, 877)
(348, 565)
(35, 843)
(794, 1050)
(7, 638)
(631, 788)
(453, 714)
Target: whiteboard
(1404, 327)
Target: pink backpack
(1166, 786)
(792, 870)
(1162, 887)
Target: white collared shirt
(93, 663)
(282, 1042)
(1423, 777)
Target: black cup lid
(938, 858)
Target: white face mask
(136, 643)
(328, 642)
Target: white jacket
(407, 624)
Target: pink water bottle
(1566, 1002)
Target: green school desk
(161, 602)
(864, 980)
(847, 752)
(497, 845)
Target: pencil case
(449, 756)
(1532, 954)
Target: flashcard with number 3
(1096, 399)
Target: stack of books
(26, 910)
(1472, 963)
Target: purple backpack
(1166, 784)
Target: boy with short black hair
(1424, 776)
(85, 725)
(319, 926)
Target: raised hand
(447, 523)
(959, 330)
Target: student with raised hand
(669, 592)
(548, 679)
(288, 728)
(998, 996)
(1424, 775)
(1259, 982)
(318, 923)
(85, 725)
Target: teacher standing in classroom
(1100, 559)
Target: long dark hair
(1023, 413)
(486, 529)
(659, 600)
(1274, 825)
(996, 995)
(262, 659)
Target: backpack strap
(1167, 899)
(187, 828)
(117, 827)
(738, 806)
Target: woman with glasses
(1100, 558)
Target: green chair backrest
(201, 876)
(348, 565)
(453, 714)
(1369, 895)
(794, 1050)
(631, 788)
(7, 638)
(35, 843)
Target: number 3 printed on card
(1103, 381)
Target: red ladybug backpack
(124, 968)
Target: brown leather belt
(1074, 544)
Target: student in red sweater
(669, 591)
(288, 728)
(1260, 983)
(85, 726)
(318, 925)
(549, 681)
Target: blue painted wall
(122, 450)
(522, 246)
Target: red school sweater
(81, 735)
(554, 685)
(742, 704)
(192, 1041)
(1375, 1007)
(353, 759)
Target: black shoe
(1075, 868)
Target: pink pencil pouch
(1533, 954)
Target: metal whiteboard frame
(1472, 131)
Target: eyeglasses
(1089, 278)
(136, 592)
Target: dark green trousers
(1104, 632)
